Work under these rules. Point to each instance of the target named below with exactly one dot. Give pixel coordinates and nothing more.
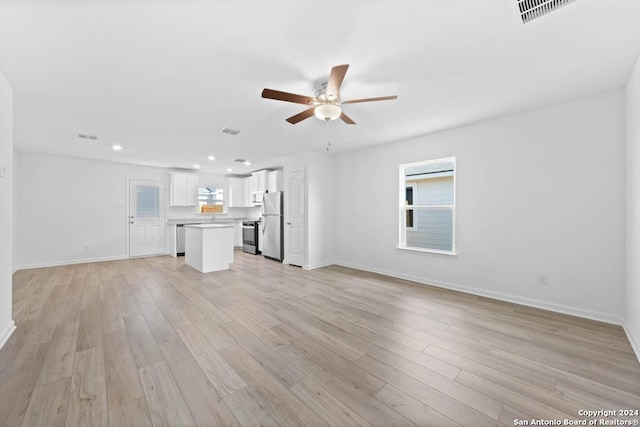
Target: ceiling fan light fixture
(327, 112)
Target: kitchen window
(427, 206)
(210, 200)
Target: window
(427, 206)
(210, 200)
(147, 202)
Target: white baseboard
(559, 308)
(4, 337)
(320, 265)
(634, 344)
(15, 269)
(68, 262)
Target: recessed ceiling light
(117, 147)
(196, 166)
(229, 170)
(211, 158)
(247, 163)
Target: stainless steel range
(250, 236)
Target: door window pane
(148, 202)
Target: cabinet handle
(288, 223)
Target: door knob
(130, 222)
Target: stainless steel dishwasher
(180, 237)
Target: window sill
(429, 251)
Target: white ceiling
(162, 77)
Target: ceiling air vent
(533, 9)
(230, 131)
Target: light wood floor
(153, 342)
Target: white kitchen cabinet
(192, 190)
(246, 199)
(236, 197)
(238, 234)
(260, 182)
(183, 189)
(274, 181)
(253, 183)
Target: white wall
(319, 211)
(632, 295)
(6, 209)
(320, 185)
(15, 211)
(538, 192)
(65, 204)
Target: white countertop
(210, 225)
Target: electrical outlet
(543, 279)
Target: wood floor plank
(88, 399)
(209, 328)
(447, 390)
(111, 313)
(166, 404)
(123, 383)
(326, 406)
(284, 405)
(347, 370)
(413, 409)
(249, 410)
(58, 359)
(270, 359)
(48, 405)
(143, 345)
(372, 410)
(133, 413)
(160, 328)
(223, 377)
(17, 386)
(90, 328)
(204, 402)
(515, 400)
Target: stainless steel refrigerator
(272, 226)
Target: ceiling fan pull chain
(328, 140)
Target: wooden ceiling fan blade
(301, 116)
(286, 96)
(381, 98)
(347, 119)
(335, 80)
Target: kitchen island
(209, 247)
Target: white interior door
(146, 218)
(294, 218)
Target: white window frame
(402, 244)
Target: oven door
(249, 235)
(250, 238)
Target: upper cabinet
(247, 192)
(274, 181)
(260, 178)
(236, 193)
(183, 189)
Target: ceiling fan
(326, 104)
